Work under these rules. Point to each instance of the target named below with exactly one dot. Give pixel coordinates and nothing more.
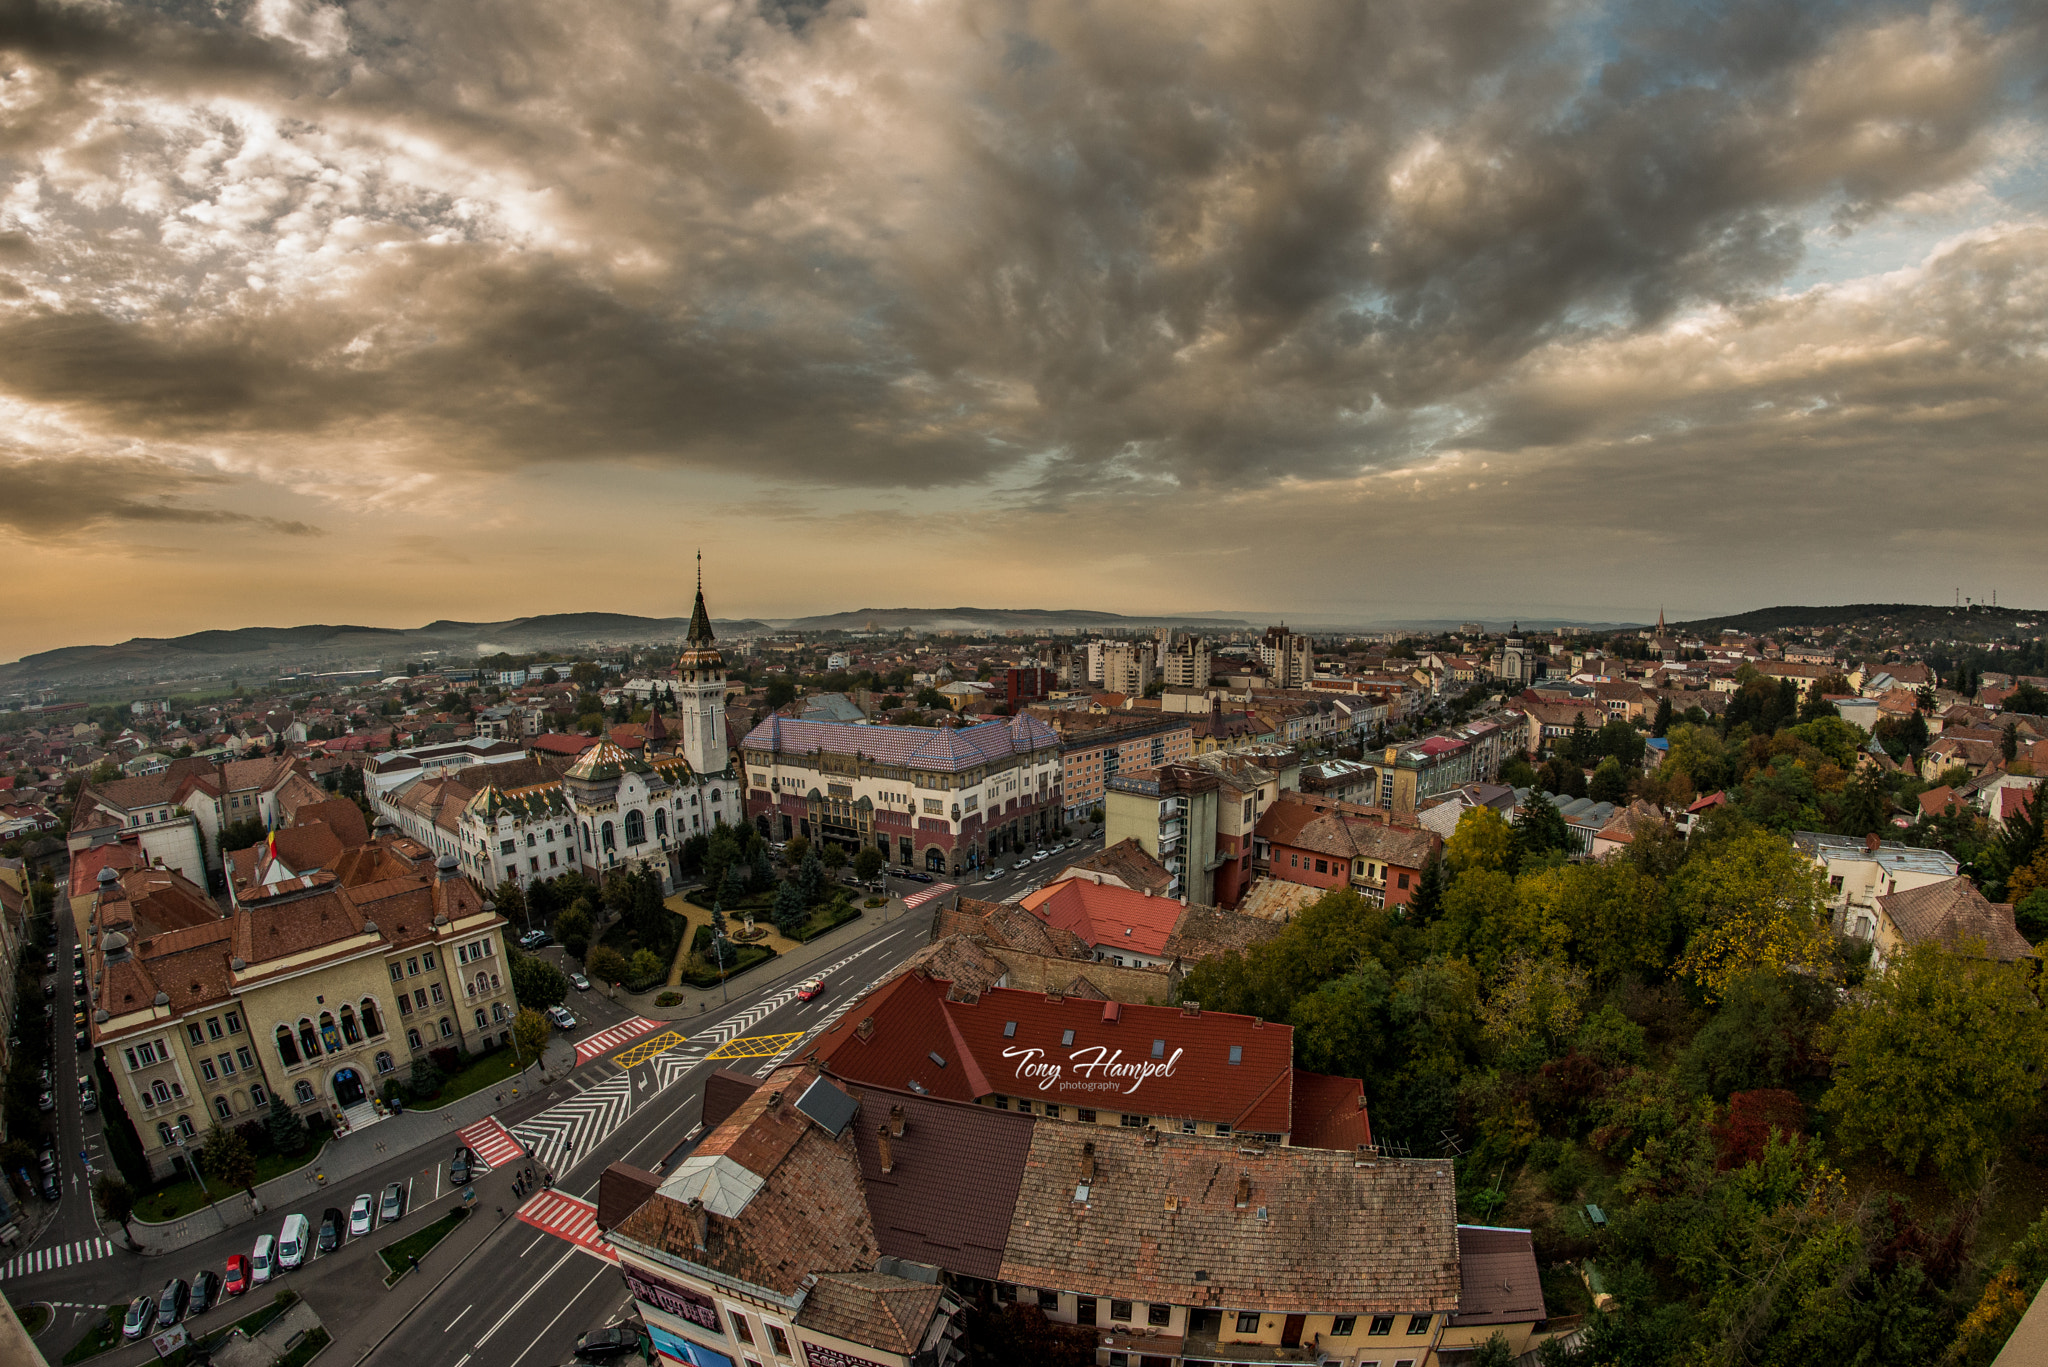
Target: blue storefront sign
(676, 1348)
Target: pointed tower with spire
(700, 691)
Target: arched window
(483, 984)
(636, 828)
(287, 1052)
(371, 1025)
(163, 1134)
(480, 1021)
(384, 1062)
(304, 1091)
(586, 835)
(498, 1012)
(349, 1033)
(714, 794)
(447, 1027)
(185, 1126)
(328, 1033)
(661, 823)
(221, 1107)
(258, 1097)
(608, 837)
(163, 1093)
(309, 1040)
(412, 1037)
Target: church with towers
(615, 810)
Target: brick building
(1323, 844)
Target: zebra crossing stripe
(573, 1128)
(918, 899)
(488, 1140)
(567, 1217)
(62, 1255)
(604, 1041)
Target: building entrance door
(348, 1088)
(1290, 1336)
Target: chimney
(882, 1140)
(1244, 1189)
(1088, 1161)
(1148, 892)
(866, 1028)
(775, 1100)
(1112, 1012)
(700, 1220)
(1151, 1136)
(1191, 1008)
(896, 1121)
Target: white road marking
(458, 1318)
(558, 1315)
(567, 1254)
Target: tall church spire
(700, 693)
(700, 620)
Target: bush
(646, 966)
(668, 999)
(288, 1131)
(427, 1077)
(606, 964)
(447, 1058)
(256, 1135)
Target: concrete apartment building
(1096, 749)
(310, 995)
(1288, 657)
(1127, 667)
(1171, 812)
(1185, 662)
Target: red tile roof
(1105, 914)
(989, 1044)
(1329, 1112)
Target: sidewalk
(353, 1153)
(827, 947)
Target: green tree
(834, 856)
(810, 879)
(1662, 725)
(607, 965)
(538, 984)
(780, 693)
(227, 1157)
(867, 864)
(573, 929)
(647, 965)
(1481, 840)
(793, 853)
(1609, 783)
(1866, 803)
(2030, 915)
(1495, 1352)
(116, 1200)
(789, 911)
(288, 1132)
(1540, 829)
(1939, 1058)
(1621, 742)
(1428, 902)
(1751, 902)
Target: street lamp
(192, 1162)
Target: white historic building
(615, 810)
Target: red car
(238, 1274)
(810, 989)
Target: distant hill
(986, 619)
(1917, 621)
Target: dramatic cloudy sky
(401, 309)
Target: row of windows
(216, 1027)
(332, 1036)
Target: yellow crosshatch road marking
(759, 1046)
(647, 1049)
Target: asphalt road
(498, 1290)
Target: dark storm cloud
(1170, 247)
(47, 498)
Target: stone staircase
(361, 1117)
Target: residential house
(1325, 844)
(1951, 913)
(1861, 870)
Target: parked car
(170, 1307)
(141, 1315)
(205, 1292)
(331, 1230)
(612, 1341)
(561, 1017)
(810, 989)
(263, 1260)
(88, 1099)
(238, 1275)
(458, 1166)
(78, 1038)
(579, 982)
(46, 1102)
(534, 939)
(393, 1204)
(51, 1191)
(292, 1238)
(359, 1216)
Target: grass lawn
(493, 1068)
(34, 1318)
(308, 1348)
(398, 1256)
(102, 1336)
(827, 917)
(182, 1198)
(700, 971)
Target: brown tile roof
(1204, 932)
(1329, 1112)
(1951, 913)
(952, 1186)
(890, 1313)
(1127, 862)
(1500, 1282)
(1317, 1233)
(1006, 926)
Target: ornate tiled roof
(602, 761)
(946, 749)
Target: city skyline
(387, 314)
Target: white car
(359, 1216)
(561, 1017)
(579, 982)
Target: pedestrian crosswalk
(573, 1127)
(567, 1217)
(918, 899)
(604, 1041)
(490, 1141)
(62, 1255)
